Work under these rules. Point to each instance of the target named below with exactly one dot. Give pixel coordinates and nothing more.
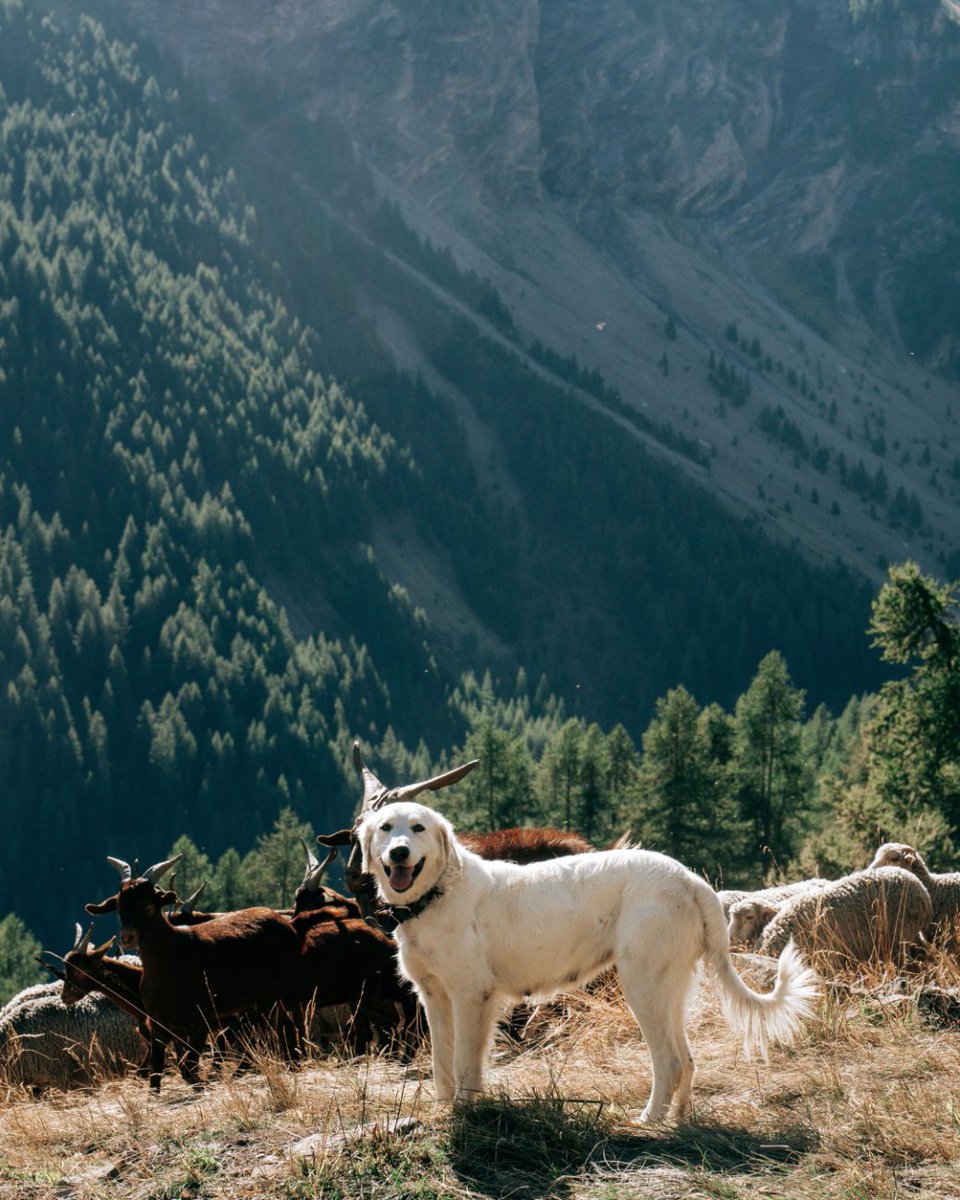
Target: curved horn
(55, 971)
(373, 789)
(158, 870)
(313, 874)
(187, 906)
(434, 784)
(81, 940)
(376, 794)
(312, 862)
(122, 867)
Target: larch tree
(768, 762)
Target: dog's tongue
(400, 877)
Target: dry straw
(865, 1104)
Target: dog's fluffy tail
(762, 1018)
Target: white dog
(475, 934)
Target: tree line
(763, 792)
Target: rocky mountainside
(743, 218)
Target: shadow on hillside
(543, 1147)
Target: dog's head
(407, 847)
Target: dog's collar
(389, 916)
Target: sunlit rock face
(790, 126)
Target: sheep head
(896, 854)
(748, 920)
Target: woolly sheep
(749, 917)
(44, 1044)
(872, 915)
(771, 895)
(944, 890)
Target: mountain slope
(788, 171)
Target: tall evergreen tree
(685, 808)
(914, 734)
(768, 763)
(18, 951)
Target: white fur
(501, 932)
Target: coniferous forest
(196, 453)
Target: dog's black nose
(399, 854)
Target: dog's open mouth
(402, 875)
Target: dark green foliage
(18, 958)
(772, 778)
(915, 760)
(728, 383)
(387, 224)
(686, 805)
(776, 424)
(568, 369)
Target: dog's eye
(417, 828)
(386, 827)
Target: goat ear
(364, 839)
(105, 906)
(342, 837)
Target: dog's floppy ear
(449, 845)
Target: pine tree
(914, 734)
(18, 951)
(768, 762)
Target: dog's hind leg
(473, 1021)
(682, 1102)
(659, 1011)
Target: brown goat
(314, 898)
(525, 846)
(349, 962)
(195, 976)
(87, 969)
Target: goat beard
(401, 876)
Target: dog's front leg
(439, 1011)
(473, 1022)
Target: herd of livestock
(285, 978)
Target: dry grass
(866, 1105)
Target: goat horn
(312, 861)
(373, 790)
(315, 869)
(82, 940)
(376, 794)
(188, 904)
(58, 974)
(158, 870)
(434, 784)
(121, 866)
